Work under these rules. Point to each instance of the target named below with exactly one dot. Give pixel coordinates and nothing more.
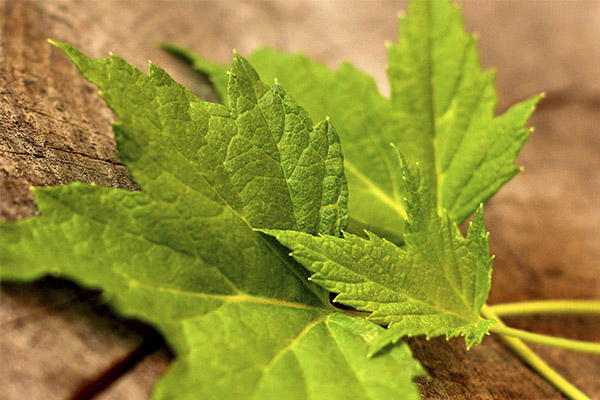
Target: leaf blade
(434, 285)
(446, 106)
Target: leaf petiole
(562, 343)
(535, 362)
(547, 307)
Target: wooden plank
(542, 224)
(137, 384)
(55, 339)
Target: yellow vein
(375, 190)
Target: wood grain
(54, 129)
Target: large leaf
(182, 254)
(434, 285)
(441, 114)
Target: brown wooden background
(58, 342)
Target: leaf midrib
(239, 297)
(375, 190)
(265, 369)
(188, 254)
(392, 289)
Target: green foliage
(434, 285)
(182, 254)
(245, 320)
(440, 114)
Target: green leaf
(434, 285)
(445, 104)
(363, 118)
(182, 254)
(441, 114)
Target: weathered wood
(137, 384)
(56, 339)
(55, 129)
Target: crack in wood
(153, 342)
(40, 155)
(42, 113)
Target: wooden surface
(58, 342)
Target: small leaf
(434, 285)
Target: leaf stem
(547, 307)
(569, 344)
(535, 362)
